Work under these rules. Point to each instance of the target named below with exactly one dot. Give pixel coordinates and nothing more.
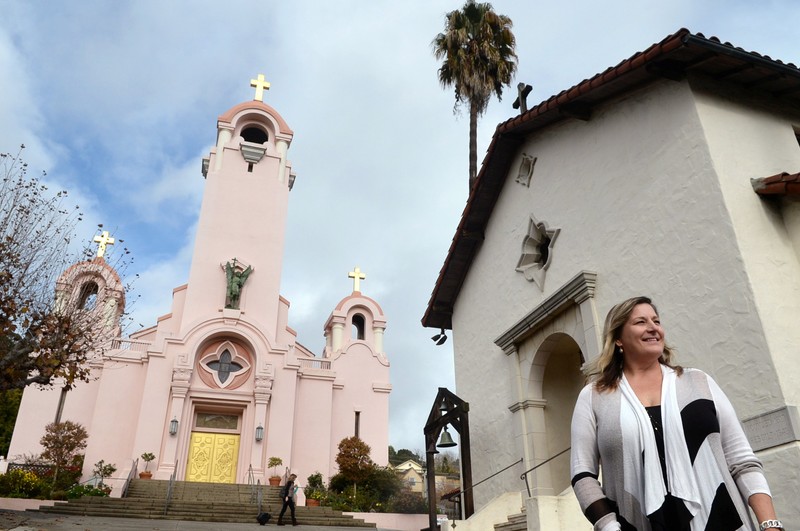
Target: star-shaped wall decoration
(537, 251)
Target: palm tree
(478, 52)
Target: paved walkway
(36, 521)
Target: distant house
(412, 475)
(673, 174)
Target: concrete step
(198, 491)
(206, 502)
(304, 519)
(516, 522)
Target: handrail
(169, 491)
(256, 492)
(251, 482)
(457, 493)
(131, 474)
(524, 475)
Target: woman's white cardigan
(714, 459)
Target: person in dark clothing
(288, 496)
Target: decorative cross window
(537, 251)
(224, 366)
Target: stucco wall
(637, 196)
(748, 139)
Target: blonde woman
(674, 455)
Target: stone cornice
(577, 290)
(525, 404)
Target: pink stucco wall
(305, 404)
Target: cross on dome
(101, 241)
(357, 277)
(260, 85)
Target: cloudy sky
(118, 101)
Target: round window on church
(224, 364)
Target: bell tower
(238, 251)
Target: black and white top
(709, 469)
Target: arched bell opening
(87, 300)
(255, 135)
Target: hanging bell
(446, 441)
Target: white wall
(637, 196)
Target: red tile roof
(780, 184)
(672, 58)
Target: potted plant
(102, 471)
(274, 463)
(146, 457)
(314, 490)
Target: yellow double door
(213, 457)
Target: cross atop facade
(260, 85)
(357, 277)
(101, 241)
(521, 102)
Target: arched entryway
(562, 380)
(548, 347)
(220, 406)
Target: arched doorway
(220, 405)
(562, 381)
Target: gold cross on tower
(103, 240)
(260, 84)
(357, 277)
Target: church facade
(220, 384)
(672, 174)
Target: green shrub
(373, 493)
(355, 500)
(22, 484)
(67, 476)
(408, 502)
(78, 491)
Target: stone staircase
(516, 522)
(204, 502)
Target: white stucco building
(672, 174)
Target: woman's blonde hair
(606, 370)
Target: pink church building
(220, 384)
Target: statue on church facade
(235, 281)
